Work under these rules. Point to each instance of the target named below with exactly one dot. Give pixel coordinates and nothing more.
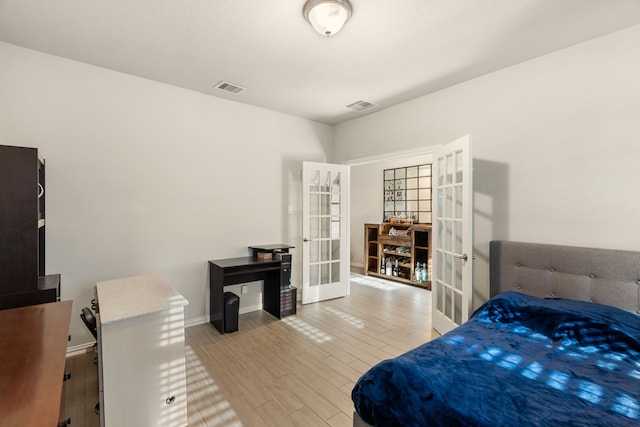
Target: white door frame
(401, 158)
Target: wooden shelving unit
(411, 245)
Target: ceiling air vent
(230, 87)
(360, 105)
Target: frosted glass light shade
(327, 17)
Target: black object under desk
(232, 271)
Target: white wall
(555, 143)
(144, 177)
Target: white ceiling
(389, 52)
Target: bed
(557, 344)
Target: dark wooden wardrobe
(22, 230)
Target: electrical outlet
(244, 289)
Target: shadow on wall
(490, 219)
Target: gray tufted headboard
(603, 276)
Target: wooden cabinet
(32, 364)
(141, 353)
(18, 219)
(22, 232)
(404, 245)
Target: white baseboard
(357, 267)
(77, 350)
(196, 321)
(250, 308)
(205, 319)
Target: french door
(325, 224)
(452, 235)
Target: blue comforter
(519, 361)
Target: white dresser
(141, 355)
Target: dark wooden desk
(33, 340)
(232, 271)
(278, 247)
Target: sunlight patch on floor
(207, 405)
(309, 330)
(374, 282)
(354, 321)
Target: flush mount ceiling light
(327, 16)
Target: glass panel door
(325, 257)
(452, 256)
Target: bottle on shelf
(424, 274)
(396, 273)
(388, 268)
(417, 273)
(382, 266)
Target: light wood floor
(298, 371)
